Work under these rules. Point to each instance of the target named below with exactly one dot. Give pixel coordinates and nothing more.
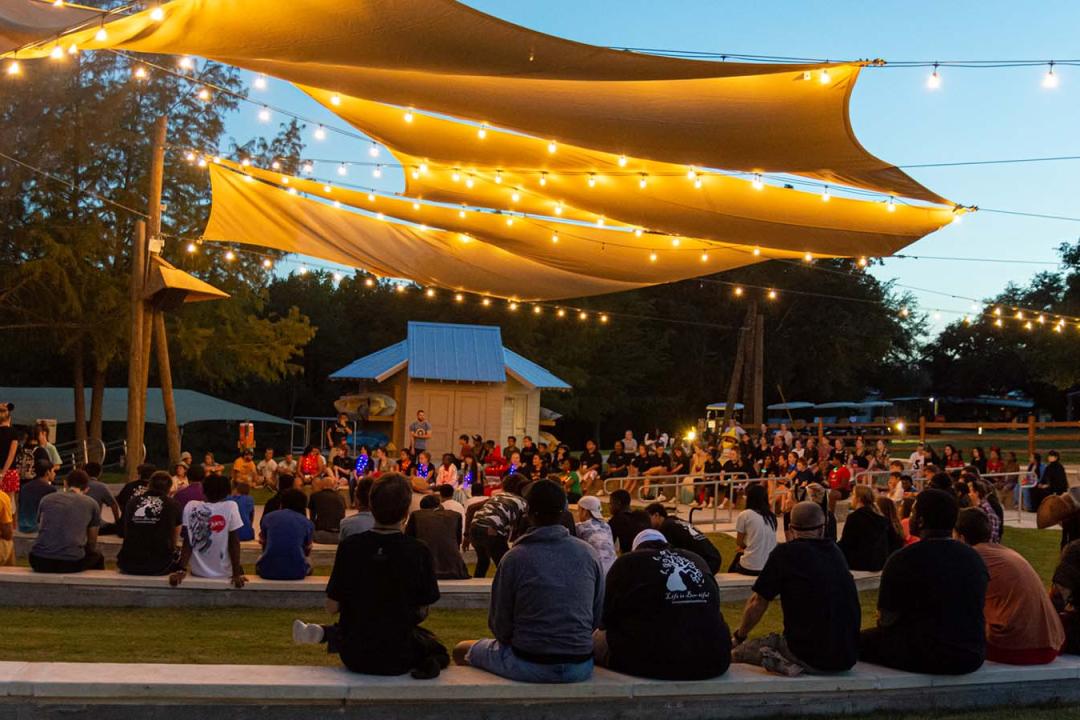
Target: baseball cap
(647, 536)
(807, 516)
(592, 504)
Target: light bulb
(469, 181)
(328, 189)
(267, 264)
(264, 114)
(204, 94)
(415, 173)
(903, 312)
(337, 277)
(862, 262)
(101, 35)
(73, 49)
(637, 232)
(1041, 319)
(275, 165)
(537, 310)
(603, 318)
(515, 196)
(456, 175)
(552, 147)
(704, 257)
(202, 162)
(643, 182)
(259, 83)
(543, 179)
(555, 237)
(461, 212)
(373, 151)
(157, 14)
(371, 197)
(284, 179)
(459, 297)
(293, 191)
(561, 313)
(652, 257)
(303, 270)
(190, 157)
(583, 315)
(738, 291)
(399, 288)
(675, 242)
(335, 99)
(825, 78)
(185, 63)
(337, 204)
(691, 174)
(592, 179)
(513, 306)
(481, 132)
(998, 322)
(890, 205)
(415, 205)
(697, 183)
(498, 177)
(758, 183)
(245, 162)
(430, 292)
(56, 53)
(757, 251)
(377, 172)
(139, 73)
(191, 247)
(308, 168)
(1050, 80)
(808, 257)
(559, 208)
(13, 68)
(509, 220)
(408, 115)
(622, 161)
(772, 294)
(342, 169)
(826, 196)
(485, 302)
(58, 3)
(1027, 325)
(230, 255)
(600, 221)
(934, 80)
(320, 133)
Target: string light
(890, 204)
(459, 298)
(327, 189)
(825, 195)
(757, 252)
(592, 179)
(486, 302)
(903, 312)
(1050, 80)
(259, 83)
(190, 157)
(267, 263)
(408, 115)
(157, 14)
(275, 165)
(342, 169)
(399, 288)
(555, 237)
(934, 80)
(675, 242)
(461, 212)
(191, 248)
(481, 132)
(552, 147)
(470, 181)
(430, 292)
(537, 310)
(371, 197)
(637, 232)
(186, 63)
(600, 221)
(559, 208)
(320, 133)
(513, 306)
(543, 179)
(738, 291)
(264, 114)
(704, 257)
(862, 261)
(998, 322)
(498, 177)
(561, 313)
(644, 181)
(515, 196)
(583, 316)
(376, 172)
(204, 94)
(139, 73)
(622, 161)
(808, 257)
(101, 35)
(308, 168)
(370, 282)
(757, 182)
(652, 257)
(772, 294)
(825, 78)
(13, 68)
(456, 175)
(373, 151)
(56, 53)
(230, 255)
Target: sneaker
(774, 662)
(661, 498)
(306, 633)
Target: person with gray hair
(819, 601)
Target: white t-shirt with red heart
(208, 526)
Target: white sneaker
(661, 498)
(306, 633)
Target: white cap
(592, 504)
(647, 536)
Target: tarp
(251, 212)
(27, 21)
(57, 403)
(723, 208)
(601, 252)
(186, 288)
(441, 56)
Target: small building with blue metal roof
(461, 376)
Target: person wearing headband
(817, 596)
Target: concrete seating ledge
(121, 691)
(21, 586)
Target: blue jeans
(500, 660)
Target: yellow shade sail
(615, 253)
(676, 199)
(29, 21)
(444, 57)
(249, 212)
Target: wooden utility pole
(136, 411)
(737, 370)
(749, 407)
(157, 317)
(758, 391)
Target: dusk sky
(976, 114)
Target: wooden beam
(135, 411)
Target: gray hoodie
(548, 595)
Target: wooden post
(749, 410)
(135, 409)
(157, 320)
(820, 433)
(922, 428)
(1031, 435)
(736, 373)
(759, 371)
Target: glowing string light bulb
(327, 189)
(862, 261)
(185, 63)
(757, 252)
(461, 212)
(303, 270)
(267, 264)
(738, 291)
(408, 117)
(1050, 80)
(561, 313)
(458, 297)
(903, 312)
(704, 257)
(157, 14)
(603, 317)
(934, 80)
(515, 196)
(481, 132)
(826, 196)
(376, 172)
(498, 177)
(552, 147)
(638, 232)
(808, 257)
(772, 294)
(555, 238)
(559, 208)
(825, 78)
(57, 53)
(371, 197)
(890, 204)
(308, 168)
(513, 306)
(140, 73)
(600, 221)
(204, 94)
(643, 181)
(537, 310)
(101, 35)
(320, 133)
(543, 179)
(652, 257)
(430, 292)
(230, 255)
(622, 161)
(583, 315)
(259, 83)
(486, 302)
(190, 157)
(13, 68)
(456, 175)
(342, 169)
(275, 165)
(592, 179)
(998, 322)
(264, 114)
(191, 247)
(470, 181)
(373, 151)
(335, 99)
(757, 182)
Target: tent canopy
(58, 403)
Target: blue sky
(975, 115)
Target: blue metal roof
(458, 353)
(375, 365)
(532, 373)
(453, 353)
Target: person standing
(9, 453)
(420, 432)
(68, 529)
(339, 431)
(494, 521)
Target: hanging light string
(72, 186)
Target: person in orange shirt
(244, 470)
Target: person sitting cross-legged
(684, 536)
(440, 529)
(151, 530)
(930, 604)
(327, 509)
(819, 601)
(381, 585)
(546, 600)
(68, 525)
(865, 539)
(286, 537)
(653, 586)
(209, 531)
(1022, 626)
